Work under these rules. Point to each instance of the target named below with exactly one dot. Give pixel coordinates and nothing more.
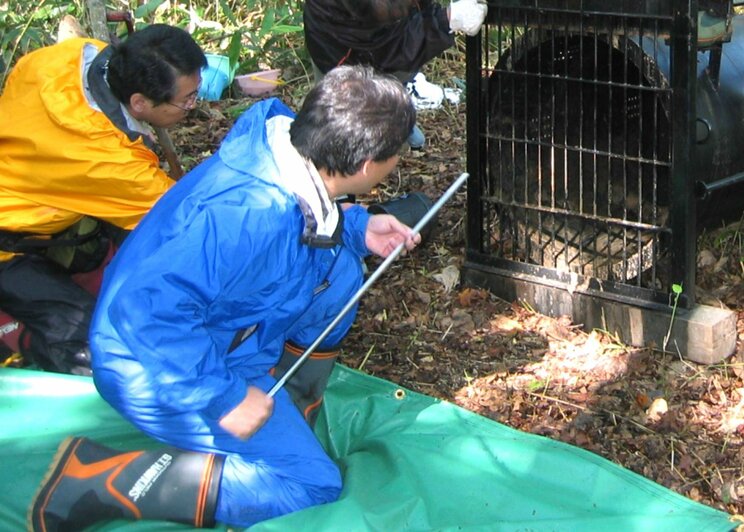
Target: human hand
(385, 233)
(467, 16)
(250, 415)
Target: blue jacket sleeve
(356, 219)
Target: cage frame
(480, 266)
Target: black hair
(352, 115)
(150, 60)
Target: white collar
(299, 176)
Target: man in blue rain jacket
(234, 272)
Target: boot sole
(34, 520)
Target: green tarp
(409, 462)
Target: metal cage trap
(582, 130)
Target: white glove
(467, 16)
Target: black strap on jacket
(14, 242)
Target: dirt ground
(672, 421)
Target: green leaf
(233, 50)
(267, 24)
(145, 10)
(236, 110)
(281, 29)
(228, 12)
(536, 385)
(677, 288)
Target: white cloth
(467, 16)
(301, 177)
(426, 95)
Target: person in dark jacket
(237, 269)
(394, 36)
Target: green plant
(271, 44)
(253, 34)
(25, 26)
(677, 291)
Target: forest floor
(677, 423)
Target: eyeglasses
(189, 103)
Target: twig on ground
(364, 360)
(592, 411)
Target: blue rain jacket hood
(220, 254)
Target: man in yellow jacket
(75, 146)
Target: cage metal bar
(476, 121)
(683, 207)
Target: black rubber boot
(408, 209)
(307, 385)
(88, 483)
